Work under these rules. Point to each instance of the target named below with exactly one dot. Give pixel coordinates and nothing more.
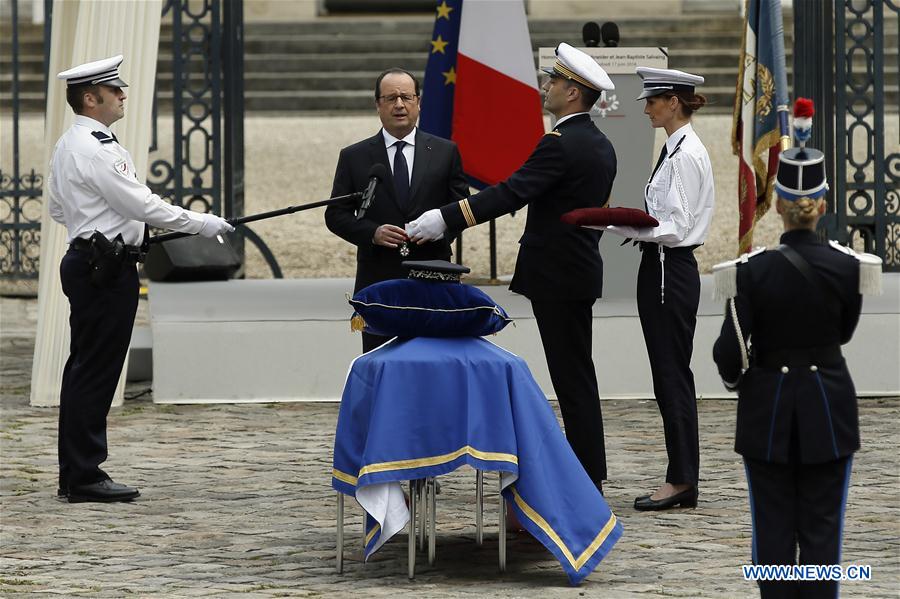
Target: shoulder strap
(829, 299)
(800, 263)
(102, 137)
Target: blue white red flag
(761, 94)
(481, 86)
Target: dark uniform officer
(559, 266)
(95, 193)
(797, 424)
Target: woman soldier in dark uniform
(797, 425)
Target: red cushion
(599, 217)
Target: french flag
(481, 86)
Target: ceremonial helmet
(801, 170)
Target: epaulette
(103, 137)
(869, 269)
(725, 275)
(556, 133)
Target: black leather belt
(804, 356)
(132, 252)
(645, 245)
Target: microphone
(377, 173)
(590, 33)
(610, 34)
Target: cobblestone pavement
(236, 499)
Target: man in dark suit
(426, 173)
(559, 266)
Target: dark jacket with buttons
(437, 178)
(572, 167)
(797, 411)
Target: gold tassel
(357, 323)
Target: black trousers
(565, 329)
(668, 323)
(101, 321)
(795, 505)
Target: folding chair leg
(502, 540)
(479, 507)
(431, 493)
(411, 556)
(340, 532)
(423, 513)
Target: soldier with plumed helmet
(789, 309)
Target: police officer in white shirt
(95, 193)
(680, 195)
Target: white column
(86, 30)
(37, 12)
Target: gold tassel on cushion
(357, 323)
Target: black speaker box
(193, 258)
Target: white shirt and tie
(680, 194)
(409, 150)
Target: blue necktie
(401, 176)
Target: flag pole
(779, 63)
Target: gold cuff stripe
(567, 72)
(372, 533)
(343, 476)
(439, 459)
(467, 212)
(545, 526)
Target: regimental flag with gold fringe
(480, 86)
(760, 113)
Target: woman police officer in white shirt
(680, 195)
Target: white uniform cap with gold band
(574, 64)
(99, 72)
(660, 81)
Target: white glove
(622, 230)
(428, 227)
(213, 225)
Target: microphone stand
(356, 195)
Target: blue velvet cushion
(414, 308)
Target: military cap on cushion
(99, 72)
(435, 270)
(660, 81)
(599, 218)
(801, 171)
(574, 64)
(431, 303)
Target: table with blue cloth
(418, 408)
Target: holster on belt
(107, 259)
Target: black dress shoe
(104, 491)
(687, 498)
